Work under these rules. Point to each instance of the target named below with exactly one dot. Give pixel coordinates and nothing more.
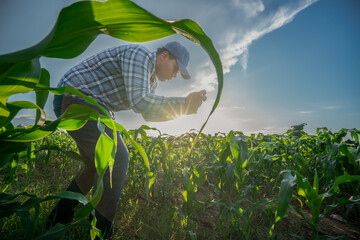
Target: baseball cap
(181, 55)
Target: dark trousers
(86, 139)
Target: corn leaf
(344, 179)
(42, 95)
(285, 195)
(16, 78)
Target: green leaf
(60, 230)
(16, 78)
(79, 24)
(42, 95)
(8, 206)
(312, 199)
(33, 134)
(104, 149)
(71, 90)
(78, 112)
(23, 73)
(285, 195)
(316, 183)
(193, 31)
(4, 159)
(184, 194)
(234, 146)
(134, 143)
(12, 147)
(344, 179)
(73, 196)
(71, 124)
(303, 186)
(16, 106)
(354, 135)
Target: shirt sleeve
(136, 70)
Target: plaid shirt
(122, 78)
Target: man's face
(166, 68)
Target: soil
(334, 224)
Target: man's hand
(194, 101)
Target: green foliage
(210, 191)
(252, 180)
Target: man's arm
(137, 68)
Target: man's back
(106, 75)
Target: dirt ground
(333, 225)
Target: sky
(285, 62)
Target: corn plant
(265, 181)
(311, 196)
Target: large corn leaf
(16, 78)
(9, 206)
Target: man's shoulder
(132, 48)
(130, 51)
(133, 54)
(140, 50)
(138, 53)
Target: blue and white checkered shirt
(122, 78)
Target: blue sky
(285, 62)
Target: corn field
(227, 186)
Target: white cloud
(244, 59)
(332, 107)
(27, 116)
(231, 110)
(238, 46)
(249, 7)
(206, 78)
(305, 112)
(237, 38)
(239, 108)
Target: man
(120, 78)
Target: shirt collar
(153, 78)
(153, 59)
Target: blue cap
(181, 55)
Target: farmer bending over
(119, 78)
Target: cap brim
(185, 76)
(184, 73)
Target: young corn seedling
(313, 199)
